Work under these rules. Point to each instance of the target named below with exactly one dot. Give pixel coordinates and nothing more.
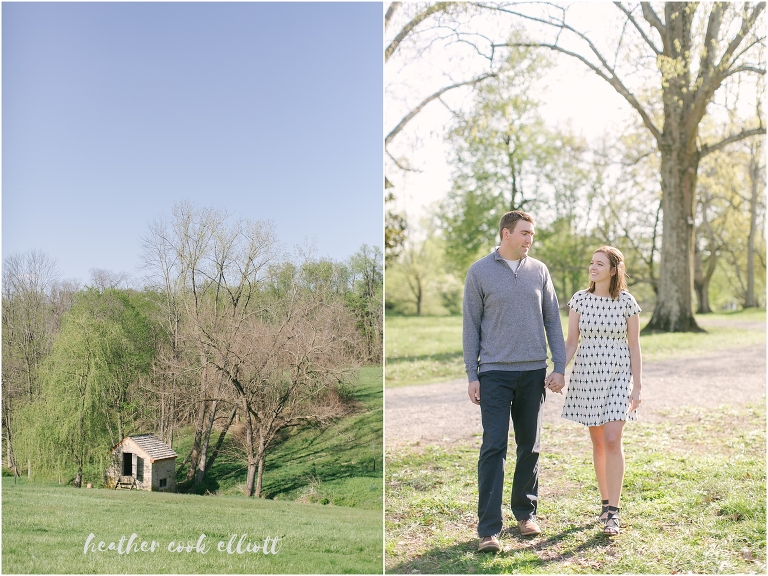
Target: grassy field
(693, 501)
(323, 489)
(422, 350)
(339, 464)
(45, 528)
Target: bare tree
(271, 351)
(210, 270)
(286, 364)
(103, 279)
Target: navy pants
(520, 395)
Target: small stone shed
(143, 462)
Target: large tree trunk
(194, 454)
(701, 282)
(755, 169)
(252, 462)
(201, 461)
(220, 441)
(674, 304)
(260, 459)
(679, 167)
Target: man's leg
(527, 410)
(496, 395)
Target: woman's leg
(614, 460)
(598, 457)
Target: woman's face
(600, 268)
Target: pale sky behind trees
(571, 94)
(114, 112)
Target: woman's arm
(570, 349)
(635, 360)
(572, 343)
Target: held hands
(474, 391)
(555, 382)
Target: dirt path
(442, 412)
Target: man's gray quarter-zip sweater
(506, 316)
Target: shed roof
(155, 448)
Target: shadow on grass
(518, 555)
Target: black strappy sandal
(604, 512)
(612, 522)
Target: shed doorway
(127, 464)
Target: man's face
(520, 239)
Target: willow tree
(696, 48)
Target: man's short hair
(509, 220)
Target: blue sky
(113, 112)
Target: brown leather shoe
(529, 527)
(489, 544)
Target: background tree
(90, 382)
(693, 62)
(30, 318)
(366, 300)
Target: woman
(605, 385)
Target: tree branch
(613, 80)
(408, 117)
(653, 19)
(404, 168)
(711, 82)
(390, 12)
(746, 26)
(754, 69)
(707, 149)
(637, 26)
(415, 21)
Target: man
(509, 304)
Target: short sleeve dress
(601, 381)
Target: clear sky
(113, 112)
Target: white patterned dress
(601, 381)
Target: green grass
(339, 463)
(45, 528)
(422, 350)
(693, 501)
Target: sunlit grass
(693, 501)
(422, 350)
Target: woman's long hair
(618, 280)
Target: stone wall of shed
(164, 469)
(115, 469)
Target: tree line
(227, 332)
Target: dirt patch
(442, 413)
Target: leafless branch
(739, 69)
(746, 26)
(613, 80)
(408, 117)
(415, 21)
(713, 77)
(390, 12)
(638, 28)
(653, 19)
(397, 163)
(707, 149)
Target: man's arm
(551, 312)
(473, 314)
